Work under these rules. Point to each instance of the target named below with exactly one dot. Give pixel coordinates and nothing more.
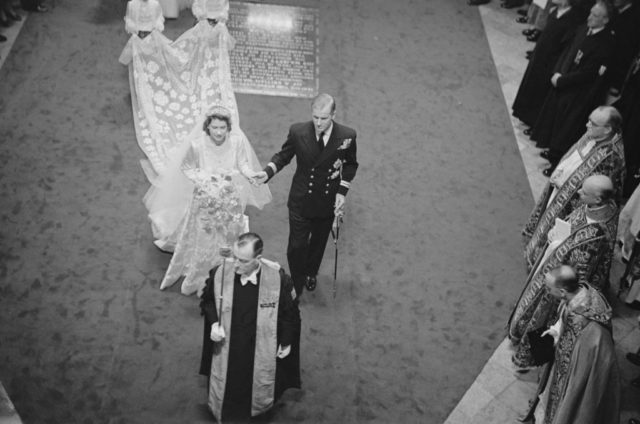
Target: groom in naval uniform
(325, 153)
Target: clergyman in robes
(585, 240)
(251, 349)
(599, 151)
(584, 383)
(578, 85)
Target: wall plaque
(276, 50)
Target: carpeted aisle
(430, 257)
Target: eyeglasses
(593, 124)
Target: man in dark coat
(578, 86)
(629, 107)
(251, 350)
(536, 82)
(626, 30)
(325, 153)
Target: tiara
(219, 110)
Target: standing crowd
(579, 102)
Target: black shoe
(527, 132)
(634, 358)
(534, 36)
(523, 12)
(522, 19)
(547, 172)
(528, 31)
(311, 282)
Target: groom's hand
(260, 177)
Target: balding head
(562, 280)
(607, 116)
(596, 190)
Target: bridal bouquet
(220, 208)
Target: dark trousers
(307, 240)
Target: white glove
(283, 352)
(217, 332)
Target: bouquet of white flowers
(220, 207)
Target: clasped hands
(218, 334)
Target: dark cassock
(588, 249)
(536, 82)
(629, 107)
(560, 196)
(245, 377)
(626, 30)
(579, 90)
(584, 383)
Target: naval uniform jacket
(320, 173)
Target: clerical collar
(251, 278)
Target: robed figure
(629, 107)
(536, 82)
(578, 86)
(251, 348)
(588, 248)
(584, 382)
(599, 152)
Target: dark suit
(536, 81)
(578, 91)
(626, 30)
(321, 173)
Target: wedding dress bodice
(227, 158)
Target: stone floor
(498, 395)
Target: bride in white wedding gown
(200, 175)
(197, 205)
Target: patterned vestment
(584, 386)
(588, 249)
(606, 158)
